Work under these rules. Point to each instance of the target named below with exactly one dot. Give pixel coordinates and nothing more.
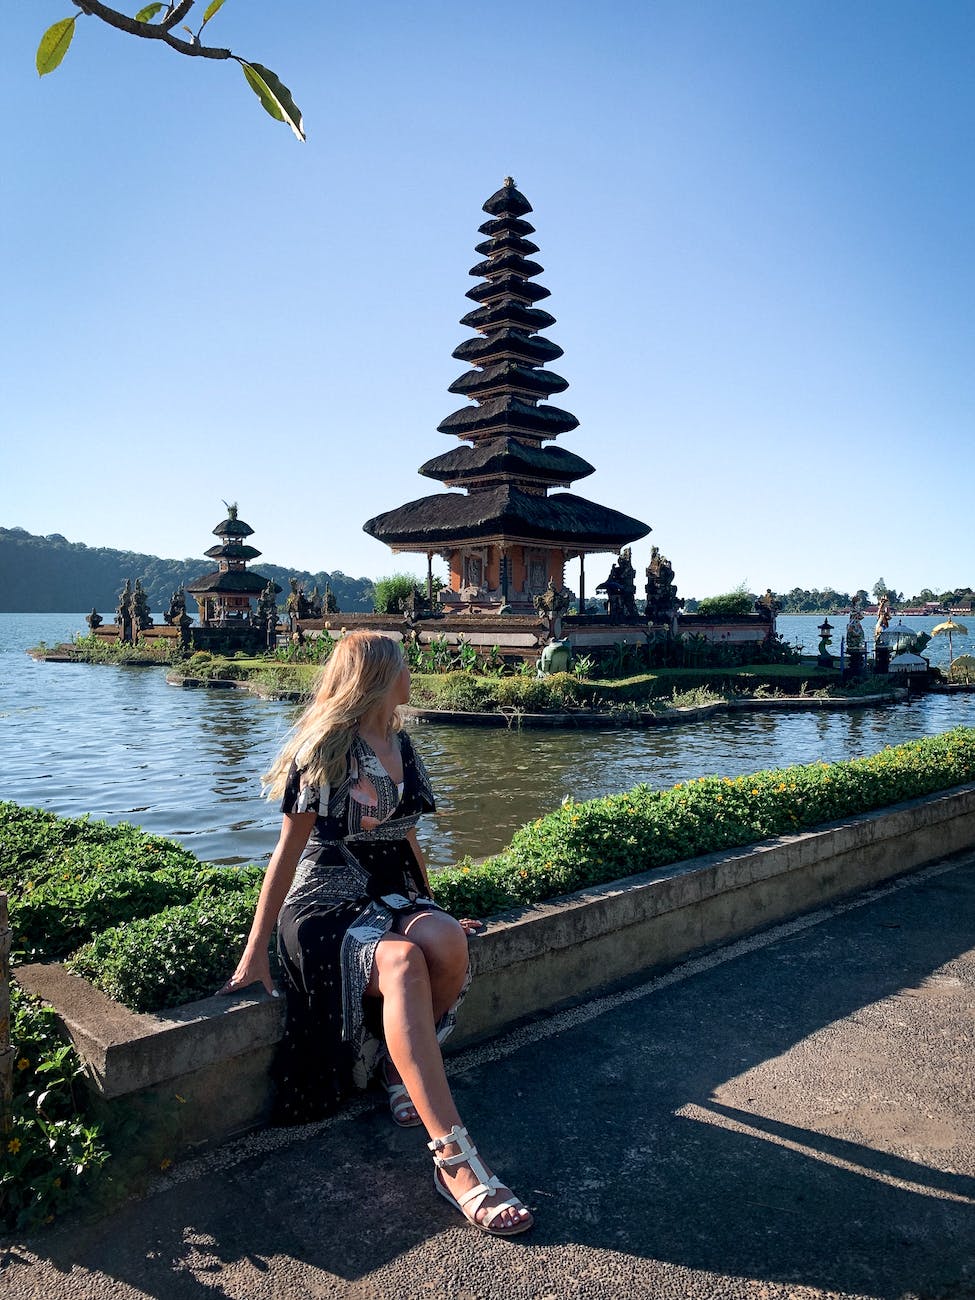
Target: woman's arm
(254, 965)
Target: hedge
(591, 843)
(184, 951)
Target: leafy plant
(390, 593)
(53, 1150)
(731, 603)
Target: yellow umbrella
(964, 666)
(949, 626)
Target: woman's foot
(400, 1107)
(462, 1178)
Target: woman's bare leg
(401, 977)
(444, 946)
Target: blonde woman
(373, 969)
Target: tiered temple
(225, 596)
(507, 538)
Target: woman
(373, 969)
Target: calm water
(122, 745)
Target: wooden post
(6, 1051)
(582, 582)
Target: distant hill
(52, 575)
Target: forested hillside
(51, 574)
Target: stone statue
(663, 603)
(123, 612)
(267, 613)
(94, 619)
(314, 603)
(329, 604)
(293, 602)
(767, 605)
(613, 587)
(854, 628)
(883, 617)
(141, 615)
(551, 605)
(177, 607)
(620, 587)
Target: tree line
(52, 575)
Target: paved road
(791, 1116)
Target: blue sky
(755, 220)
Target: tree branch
(153, 31)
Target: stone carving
(767, 605)
(552, 603)
(301, 606)
(663, 603)
(620, 587)
(854, 628)
(883, 617)
(94, 619)
(123, 612)
(329, 604)
(141, 616)
(177, 607)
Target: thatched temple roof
(507, 472)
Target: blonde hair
(359, 672)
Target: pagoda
(224, 596)
(507, 537)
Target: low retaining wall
(200, 1072)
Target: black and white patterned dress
(357, 874)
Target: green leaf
(211, 9)
(54, 45)
(275, 96)
(146, 15)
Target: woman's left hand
(470, 927)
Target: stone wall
(200, 1072)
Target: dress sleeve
(300, 796)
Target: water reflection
(122, 745)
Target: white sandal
(400, 1105)
(470, 1202)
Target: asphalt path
(788, 1116)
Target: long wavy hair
(359, 672)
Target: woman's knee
(399, 961)
(442, 940)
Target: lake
(122, 745)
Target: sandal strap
(493, 1211)
(467, 1155)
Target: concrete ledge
(215, 1053)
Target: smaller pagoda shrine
(506, 535)
(225, 596)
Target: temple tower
(225, 596)
(509, 535)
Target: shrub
(389, 593)
(739, 601)
(52, 920)
(37, 846)
(52, 1150)
(177, 955)
(582, 844)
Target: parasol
(948, 627)
(963, 666)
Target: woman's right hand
(250, 970)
